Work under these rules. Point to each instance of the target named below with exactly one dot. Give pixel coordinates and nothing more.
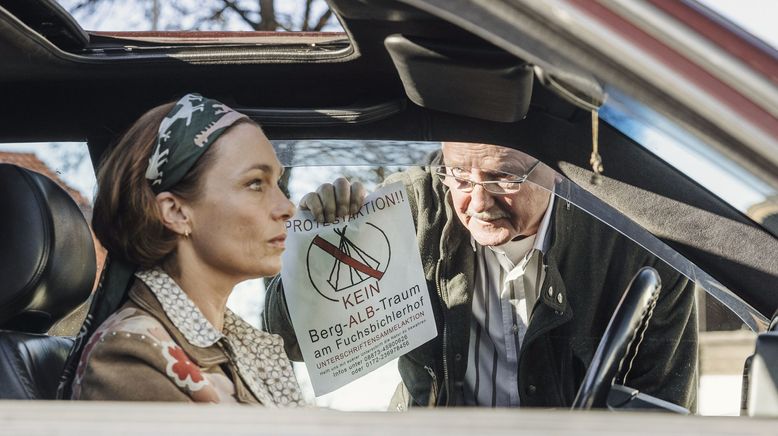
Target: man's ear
(175, 215)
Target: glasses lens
(459, 173)
(446, 176)
(499, 183)
(504, 187)
(464, 185)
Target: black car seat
(47, 268)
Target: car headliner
(53, 94)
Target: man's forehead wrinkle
(485, 157)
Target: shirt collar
(182, 312)
(542, 240)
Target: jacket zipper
(445, 333)
(433, 399)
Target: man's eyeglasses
(498, 182)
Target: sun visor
(582, 91)
(477, 81)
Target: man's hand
(334, 200)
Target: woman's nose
(284, 208)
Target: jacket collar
(181, 311)
(553, 292)
(144, 297)
(258, 356)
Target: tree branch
(322, 21)
(242, 13)
(267, 15)
(215, 15)
(307, 14)
(265, 18)
(84, 4)
(284, 22)
(89, 7)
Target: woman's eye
(255, 185)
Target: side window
(311, 163)
(716, 353)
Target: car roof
(59, 87)
(53, 81)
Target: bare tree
(260, 15)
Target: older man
(522, 285)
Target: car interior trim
(354, 114)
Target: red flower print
(183, 367)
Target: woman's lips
(278, 241)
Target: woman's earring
(186, 234)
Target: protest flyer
(355, 289)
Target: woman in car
(189, 196)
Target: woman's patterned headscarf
(194, 123)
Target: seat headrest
(47, 255)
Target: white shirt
(507, 279)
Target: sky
(757, 16)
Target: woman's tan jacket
(159, 347)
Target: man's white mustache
(489, 215)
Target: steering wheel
(633, 311)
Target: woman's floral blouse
(159, 347)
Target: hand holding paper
(355, 286)
(334, 200)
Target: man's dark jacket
(588, 267)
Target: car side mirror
(760, 375)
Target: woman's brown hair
(126, 218)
